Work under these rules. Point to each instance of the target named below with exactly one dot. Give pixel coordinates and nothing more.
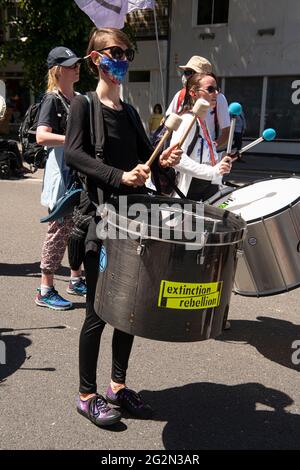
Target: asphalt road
(240, 391)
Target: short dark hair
(99, 39)
(157, 105)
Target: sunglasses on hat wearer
(74, 66)
(118, 53)
(210, 89)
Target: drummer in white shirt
(199, 172)
(218, 118)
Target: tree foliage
(39, 26)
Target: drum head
(263, 199)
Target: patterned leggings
(55, 244)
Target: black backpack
(34, 154)
(10, 158)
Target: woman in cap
(63, 72)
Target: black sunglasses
(210, 89)
(117, 53)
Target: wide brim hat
(198, 64)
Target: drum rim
(272, 214)
(265, 293)
(236, 220)
(237, 236)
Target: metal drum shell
(127, 292)
(269, 260)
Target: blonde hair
(52, 79)
(101, 38)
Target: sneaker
(227, 325)
(97, 410)
(77, 288)
(52, 300)
(130, 401)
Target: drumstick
(235, 109)
(268, 135)
(199, 110)
(172, 124)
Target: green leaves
(39, 26)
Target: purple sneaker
(97, 410)
(129, 401)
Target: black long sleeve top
(125, 145)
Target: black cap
(62, 56)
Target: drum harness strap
(97, 140)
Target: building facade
(253, 47)
(252, 44)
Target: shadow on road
(28, 269)
(13, 351)
(273, 338)
(216, 416)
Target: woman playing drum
(200, 173)
(119, 172)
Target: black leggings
(90, 336)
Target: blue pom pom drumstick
(234, 109)
(268, 135)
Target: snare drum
(269, 262)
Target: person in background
(155, 118)
(217, 119)
(63, 72)
(240, 127)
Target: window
(13, 13)
(143, 25)
(212, 12)
(283, 106)
(139, 76)
(248, 92)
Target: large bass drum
(170, 289)
(269, 262)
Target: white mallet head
(173, 122)
(200, 108)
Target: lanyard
(208, 140)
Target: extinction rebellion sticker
(189, 296)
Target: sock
(45, 289)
